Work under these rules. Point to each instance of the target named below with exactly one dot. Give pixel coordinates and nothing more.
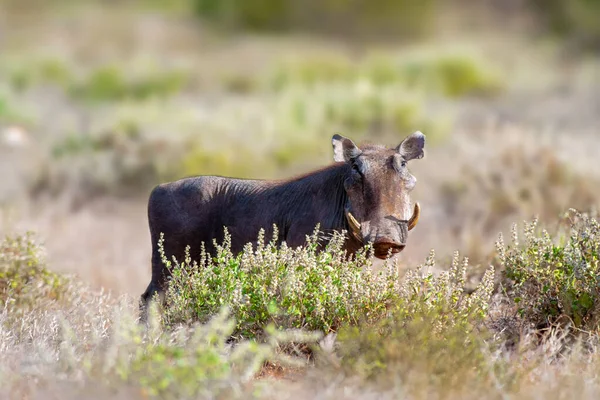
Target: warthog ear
(412, 146)
(344, 149)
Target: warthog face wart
(378, 186)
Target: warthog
(365, 192)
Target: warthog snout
(390, 234)
(384, 246)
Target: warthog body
(365, 192)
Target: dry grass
(88, 342)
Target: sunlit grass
(421, 334)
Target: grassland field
(99, 104)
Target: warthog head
(378, 186)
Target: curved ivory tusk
(412, 222)
(354, 224)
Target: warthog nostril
(384, 247)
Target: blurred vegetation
(573, 19)
(448, 74)
(119, 161)
(108, 84)
(553, 279)
(374, 100)
(517, 182)
(403, 17)
(101, 84)
(298, 102)
(10, 114)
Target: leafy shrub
(412, 352)
(288, 288)
(24, 278)
(555, 279)
(316, 291)
(433, 318)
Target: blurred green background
(577, 19)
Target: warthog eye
(356, 169)
(399, 163)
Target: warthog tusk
(354, 224)
(412, 222)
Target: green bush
(288, 288)
(422, 349)
(555, 280)
(433, 336)
(24, 278)
(316, 291)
